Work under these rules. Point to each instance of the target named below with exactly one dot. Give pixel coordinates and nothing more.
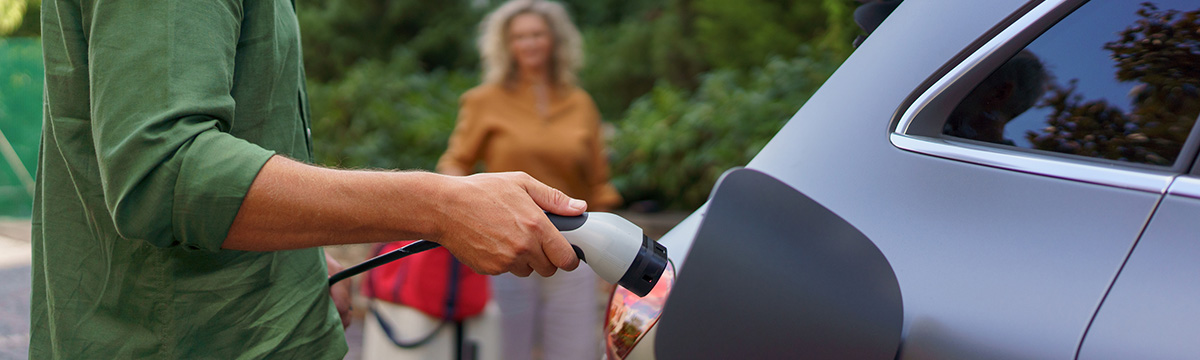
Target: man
(170, 219)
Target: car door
(1152, 310)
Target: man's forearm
(293, 205)
(491, 222)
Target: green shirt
(158, 116)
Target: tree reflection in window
(1158, 55)
(1161, 51)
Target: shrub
(626, 60)
(673, 144)
(386, 114)
(676, 41)
(681, 79)
(743, 34)
(337, 35)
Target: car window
(1114, 80)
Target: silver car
(999, 179)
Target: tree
(1161, 51)
(743, 34)
(20, 18)
(340, 34)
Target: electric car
(1002, 179)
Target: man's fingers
(522, 270)
(537, 258)
(542, 265)
(552, 200)
(547, 270)
(560, 253)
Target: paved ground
(14, 289)
(15, 281)
(14, 313)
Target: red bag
(420, 281)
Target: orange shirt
(561, 146)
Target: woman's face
(530, 41)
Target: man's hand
(494, 223)
(340, 292)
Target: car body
(1001, 248)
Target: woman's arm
(466, 142)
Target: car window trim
(1186, 186)
(1140, 177)
(1194, 150)
(1149, 181)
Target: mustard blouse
(560, 145)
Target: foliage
(386, 114)
(19, 18)
(20, 118)
(742, 34)
(588, 14)
(11, 12)
(339, 34)
(674, 144)
(626, 60)
(692, 69)
(439, 34)
(1161, 51)
(678, 40)
(385, 76)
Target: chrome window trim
(1186, 186)
(984, 52)
(1141, 180)
(1058, 166)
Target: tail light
(629, 316)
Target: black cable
(390, 256)
(413, 248)
(562, 223)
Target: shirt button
(308, 131)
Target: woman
(528, 115)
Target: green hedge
(694, 86)
(673, 144)
(669, 148)
(681, 80)
(386, 114)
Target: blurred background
(689, 88)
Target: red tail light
(629, 317)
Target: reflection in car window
(1115, 80)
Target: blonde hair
(498, 64)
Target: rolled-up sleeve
(161, 106)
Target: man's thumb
(552, 200)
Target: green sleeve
(161, 80)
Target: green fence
(21, 74)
